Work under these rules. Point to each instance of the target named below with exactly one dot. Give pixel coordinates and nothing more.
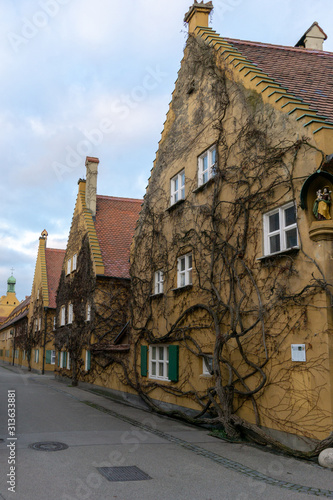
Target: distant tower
(11, 282)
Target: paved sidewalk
(173, 454)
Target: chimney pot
(91, 183)
(198, 15)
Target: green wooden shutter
(144, 357)
(64, 360)
(88, 360)
(48, 357)
(173, 362)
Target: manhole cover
(48, 446)
(130, 473)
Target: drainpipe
(14, 334)
(45, 331)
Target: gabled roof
(20, 312)
(307, 74)
(115, 222)
(54, 261)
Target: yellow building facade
(39, 342)
(231, 264)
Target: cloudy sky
(95, 78)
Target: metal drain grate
(129, 473)
(49, 446)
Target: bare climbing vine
(240, 309)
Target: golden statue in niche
(321, 206)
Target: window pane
(274, 223)
(182, 280)
(190, 261)
(160, 353)
(190, 277)
(153, 368)
(204, 163)
(290, 215)
(213, 156)
(291, 238)
(153, 352)
(175, 184)
(160, 369)
(182, 179)
(274, 243)
(182, 264)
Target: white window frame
(283, 229)
(184, 272)
(62, 316)
(74, 262)
(70, 314)
(61, 359)
(206, 169)
(88, 311)
(36, 355)
(53, 357)
(158, 362)
(177, 187)
(68, 366)
(159, 282)
(206, 370)
(69, 266)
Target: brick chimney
(313, 38)
(198, 15)
(91, 183)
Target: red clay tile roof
(115, 223)
(308, 74)
(2, 318)
(54, 261)
(20, 312)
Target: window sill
(156, 295)
(279, 254)
(182, 289)
(206, 375)
(159, 379)
(175, 205)
(203, 186)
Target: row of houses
(212, 296)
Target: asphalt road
(181, 461)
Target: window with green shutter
(88, 358)
(173, 362)
(144, 351)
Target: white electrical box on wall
(298, 352)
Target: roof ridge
(56, 249)
(118, 198)
(277, 46)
